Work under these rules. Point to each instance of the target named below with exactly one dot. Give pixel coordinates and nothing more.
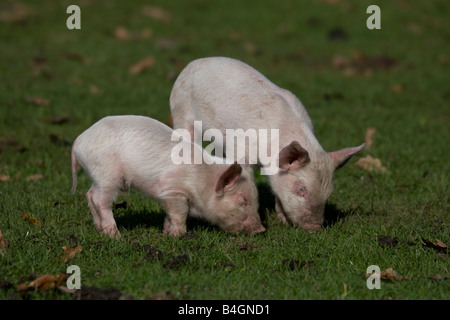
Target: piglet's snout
(252, 225)
(309, 223)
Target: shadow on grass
(332, 215)
(267, 204)
(131, 219)
(266, 201)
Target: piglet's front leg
(280, 212)
(177, 209)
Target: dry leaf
(438, 276)
(14, 11)
(157, 13)
(396, 88)
(45, 282)
(250, 48)
(35, 177)
(371, 164)
(31, 219)
(4, 177)
(38, 101)
(390, 274)
(70, 253)
(142, 65)
(93, 89)
(122, 34)
(361, 65)
(146, 33)
(369, 134)
(436, 245)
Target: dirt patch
(176, 262)
(95, 293)
(387, 241)
(152, 253)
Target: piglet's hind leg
(100, 201)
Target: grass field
(55, 83)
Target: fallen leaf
(157, 13)
(369, 135)
(438, 276)
(122, 34)
(31, 219)
(45, 282)
(390, 274)
(146, 33)
(15, 11)
(4, 177)
(396, 88)
(93, 89)
(371, 164)
(38, 101)
(142, 65)
(436, 245)
(70, 253)
(35, 177)
(251, 48)
(361, 65)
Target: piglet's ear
(341, 157)
(228, 178)
(293, 156)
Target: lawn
(391, 83)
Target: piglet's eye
(242, 200)
(302, 192)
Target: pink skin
(225, 94)
(120, 152)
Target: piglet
(119, 152)
(226, 94)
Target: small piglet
(224, 94)
(119, 152)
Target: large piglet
(119, 152)
(224, 94)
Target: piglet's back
(123, 138)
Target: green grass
(84, 76)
